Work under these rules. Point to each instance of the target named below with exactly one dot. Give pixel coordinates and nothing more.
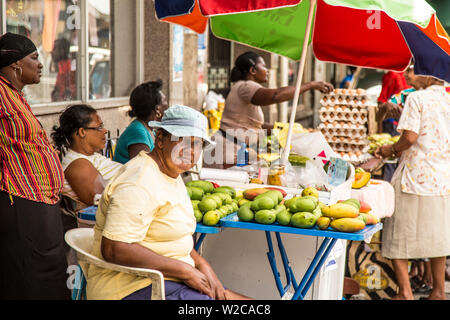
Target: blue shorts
(173, 291)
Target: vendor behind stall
(243, 118)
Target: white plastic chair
(81, 240)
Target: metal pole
(301, 68)
(284, 81)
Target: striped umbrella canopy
(382, 34)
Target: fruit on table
(226, 189)
(242, 202)
(195, 203)
(198, 215)
(211, 218)
(195, 193)
(245, 213)
(276, 196)
(263, 203)
(304, 220)
(340, 210)
(226, 198)
(353, 202)
(323, 223)
(251, 194)
(206, 186)
(348, 224)
(302, 204)
(284, 193)
(265, 216)
(207, 204)
(361, 180)
(280, 207)
(365, 207)
(284, 217)
(310, 192)
(317, 212)
(369, 218)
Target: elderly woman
(420, 225)
(147, 104)
(32, 260)
(79, 137)
(145, 219)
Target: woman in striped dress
(79, 137)
(32, 260)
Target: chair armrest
(158, 290)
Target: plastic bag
(314, 146)
(214, 101)
(312, 175)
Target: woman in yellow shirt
(145, 219)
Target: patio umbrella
(382, 34)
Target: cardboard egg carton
(349, 97)
(344, 113)
(353, 130)
(347, 147)
(354, 157)
(357, 141)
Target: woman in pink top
(243, 118)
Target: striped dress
(105, 166)
(30, 167)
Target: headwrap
(14, 47)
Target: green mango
(225, 189)
(303, 205)
(197, 193)
(284, 217)
(198, 215)
(265, 216)
(206, 186)
(207, 204)
(263, 203)
(245, 213)
(305, 220)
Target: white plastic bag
(312, 175)
(212, 100)
(314, 146)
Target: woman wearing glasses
(79, 137)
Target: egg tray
(347, 147)
(358, 141)
(352, 117)
(338, 129)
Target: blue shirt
(135, 133)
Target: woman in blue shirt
(148, 103)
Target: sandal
(423, 289)
(416, 282)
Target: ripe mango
(251, 194)
(348, 224)
(310, 192)
(365, 207)
(263, 203)
(323, 223)
(340, 210)
(369, 219)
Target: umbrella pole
(301, 68)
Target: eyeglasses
(99, 128)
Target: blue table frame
(330, 237)
(203, 231)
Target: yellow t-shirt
(140, 205)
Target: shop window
(44, 22)
(56, 27)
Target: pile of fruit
(381, 139)
(210, 202)
(305, 211)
